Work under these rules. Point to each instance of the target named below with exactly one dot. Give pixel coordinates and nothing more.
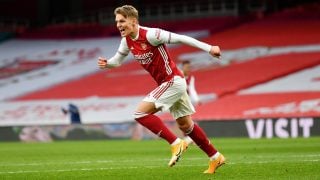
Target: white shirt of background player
(165, 37)
(186, 69)
(192, 91)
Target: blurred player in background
(191, 90)
(73, 111)
(148, 47)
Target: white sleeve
(192, 91)
(159, 36)
(120, 56)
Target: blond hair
(127, 11)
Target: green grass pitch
(123, 159)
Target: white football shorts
(172, 95)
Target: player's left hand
(215, 51)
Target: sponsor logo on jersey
(144, 58)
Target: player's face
(126, 26)
(186, 68)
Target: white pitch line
(67, 170)
(94, 162)
(87, 162)
(142, 160)
(289, 156)
(150, 167)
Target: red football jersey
(154, 59)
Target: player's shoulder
(150, 32)
(153, 35)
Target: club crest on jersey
(143, 46)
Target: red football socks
(154, 124)
(200, 138)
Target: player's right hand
(102, 62)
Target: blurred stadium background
(266, 85)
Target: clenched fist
(102, 62)
(215, 51)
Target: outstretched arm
(159, 36)
(117, 59)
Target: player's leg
(182, 111)
(145, 116)
(200, 138)
(162, 98)
(186, 124)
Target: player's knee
(186, 127)
(137, 115)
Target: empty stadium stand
(95, 30)
(269, 72)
